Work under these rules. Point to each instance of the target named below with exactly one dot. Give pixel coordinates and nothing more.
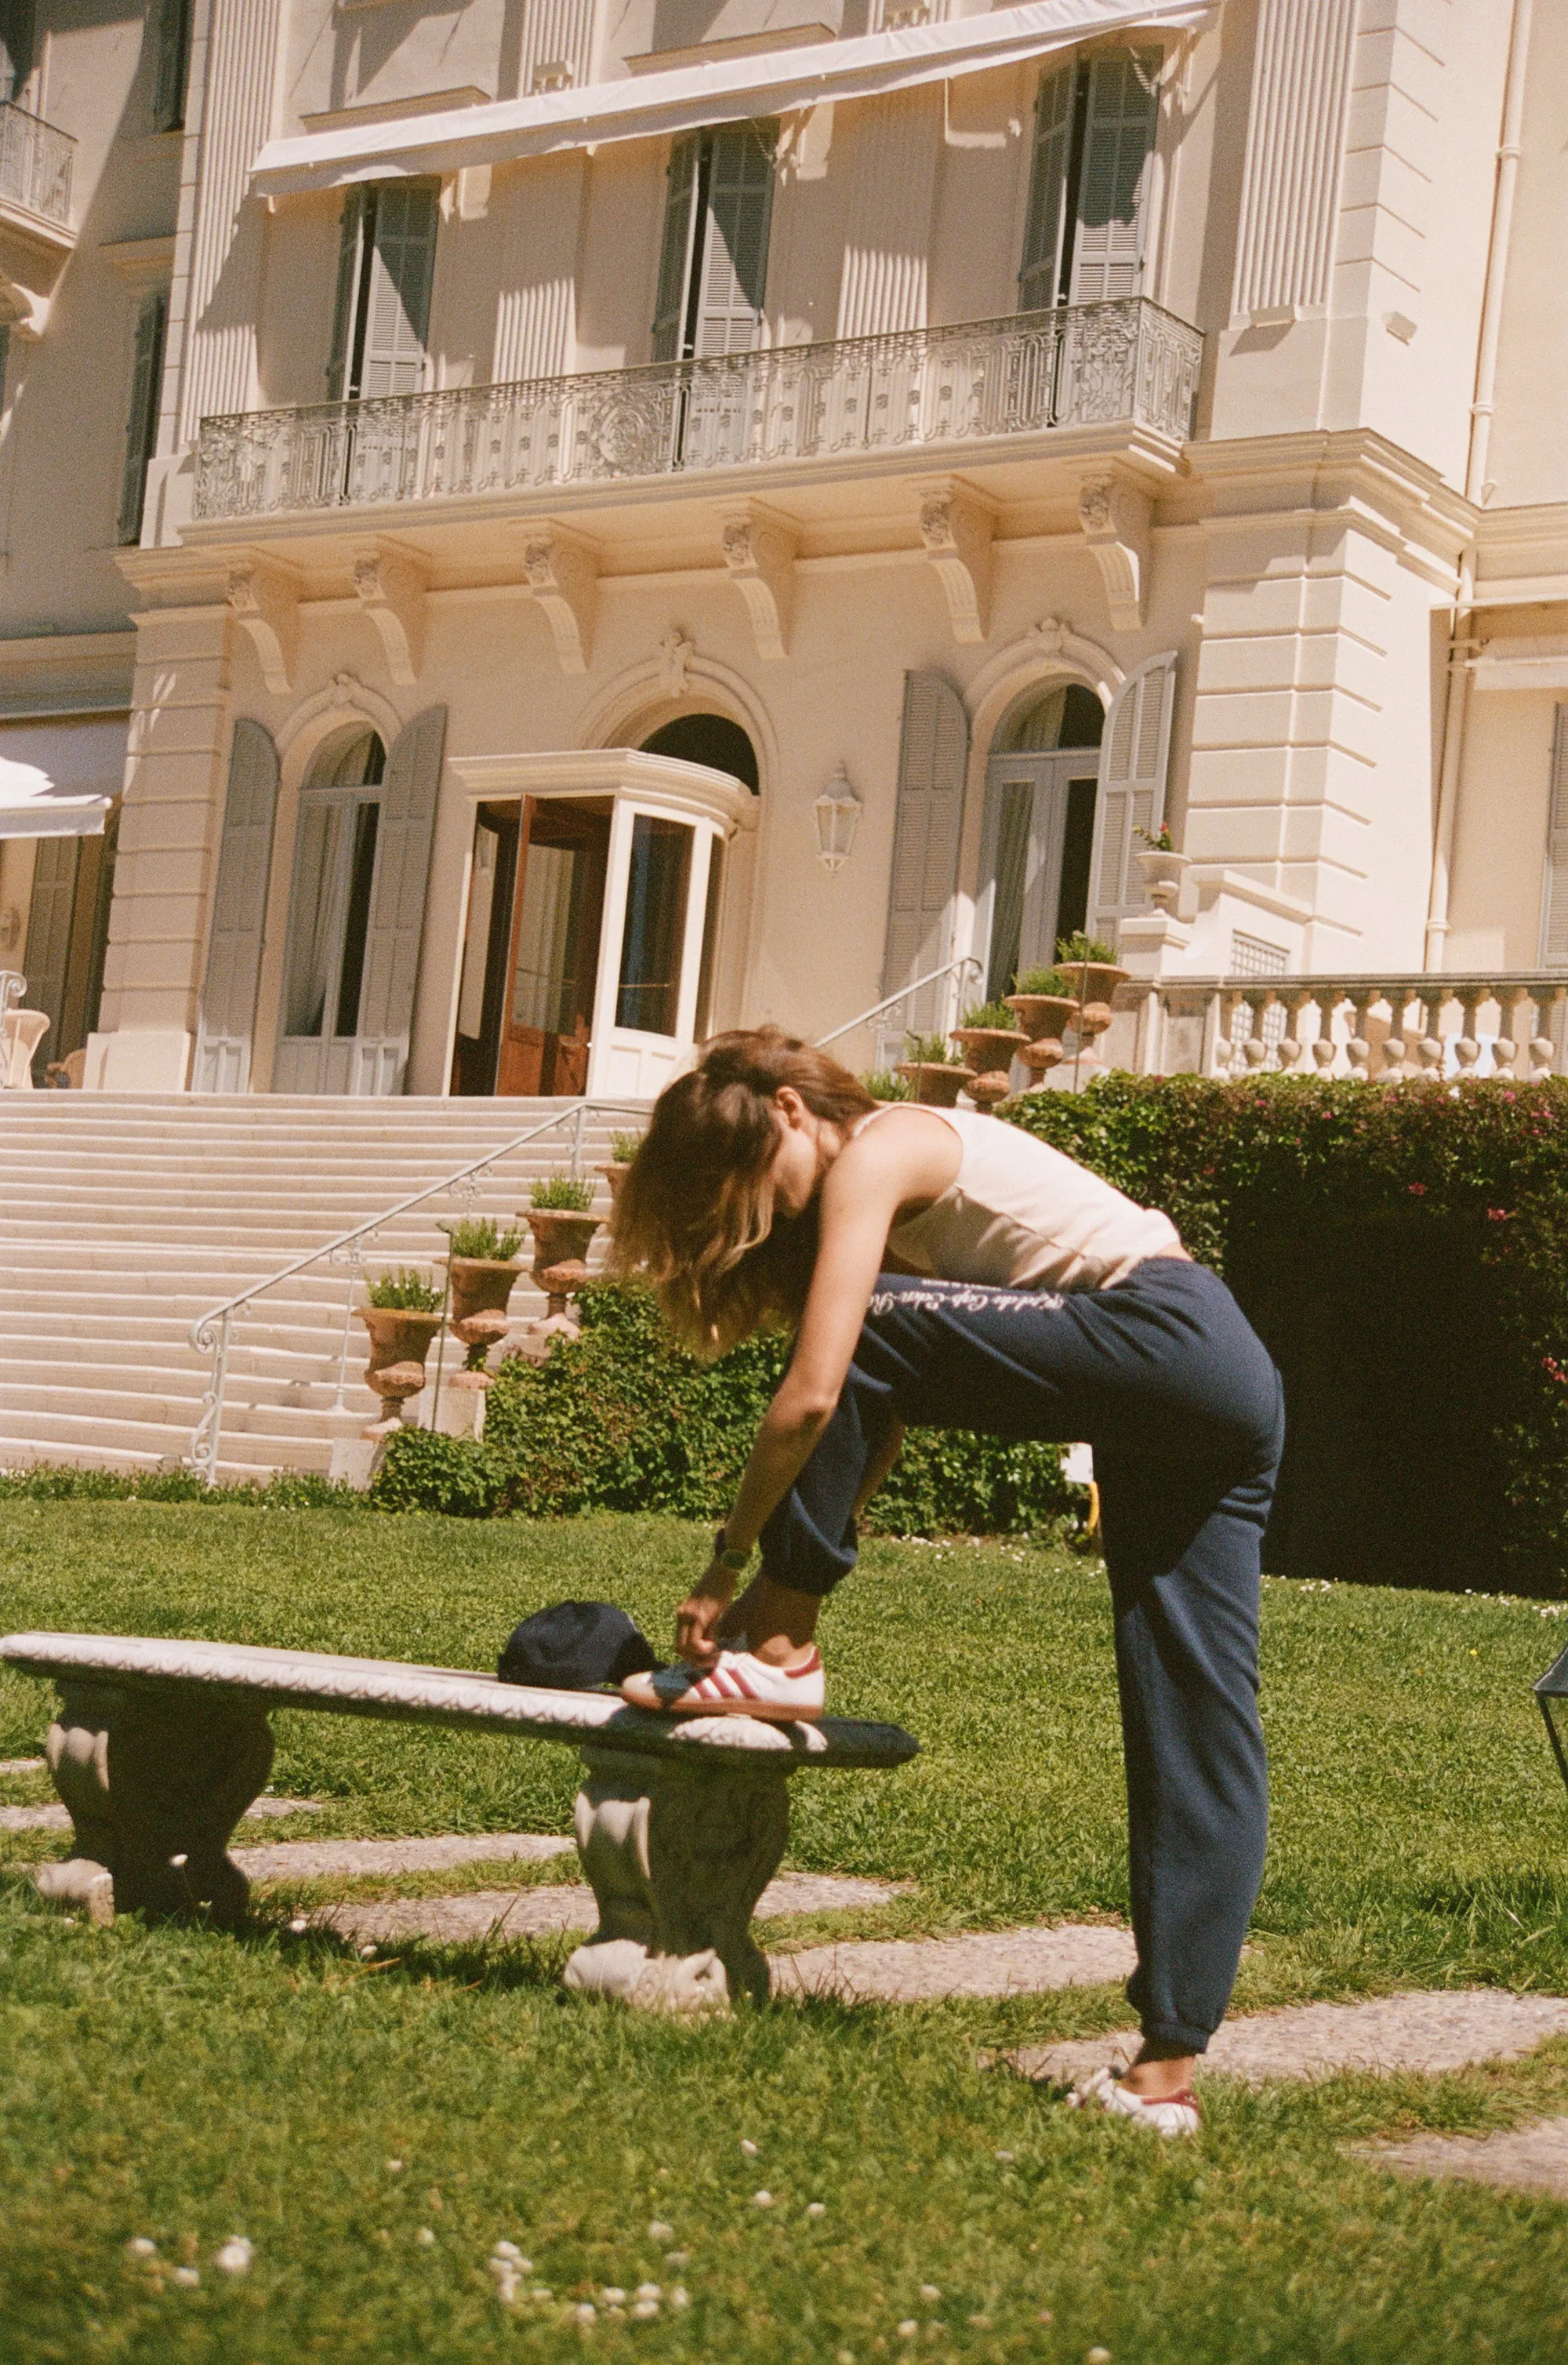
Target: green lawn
(186, 2085)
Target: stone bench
(160, 1747)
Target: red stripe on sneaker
(747, 1691)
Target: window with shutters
(1554, 883)
(713, 262)
(1088, 213)
(385, 270)
(171, 25)
(141, 424)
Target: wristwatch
(733, 1561)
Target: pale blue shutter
(397, 903)
(1554, 890)
(1134, 754)
(345, 304)
(51, 913)
(239, 915)
(1045, 228)
(932, 754)
(675, 255)
(401, 263)
(1112, 189)
(734, 257)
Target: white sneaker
(1166, 2114)
(737, 1684)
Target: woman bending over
(949, 1270)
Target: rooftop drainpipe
(1476, 487)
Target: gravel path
(322, 1859)
(21, 1765)
(56, 1818)
(978, 1963)
(525, 1913)
(1532, 2158)
(1443, 2029)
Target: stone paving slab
(57, 1818)
(976, 1963)
(1431, 2031)
(22, 1764)
(527, 1912)
(324, 1859)
(1532, 2158)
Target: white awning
(31, 806)
(729, 89)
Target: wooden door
(552, 961)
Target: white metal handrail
(905, 994)
(212, 1332)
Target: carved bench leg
(677, 1855)
(154, 1788)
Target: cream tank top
(1019, 1215)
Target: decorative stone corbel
(562, 575)
(391, 588)
(1115, 519)
(265, 604)
(759, 551)
(957, 531)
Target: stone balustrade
(1374, 1029)
(1082, 365)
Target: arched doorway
(329, 915)
(1039, 837)
(710, 739)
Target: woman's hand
(700, 1612)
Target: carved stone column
(678, 1856)
(154, 1788)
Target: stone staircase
(124, 1217)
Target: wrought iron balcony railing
(1083, 365)
(35, 164)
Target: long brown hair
(695, 1218)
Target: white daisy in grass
(762, 2200)
(648, 2290)
(612, 2295)
(907, 2328)
(816, 2208)
(141, 2246)
(186, 2277)
(929, 2293)
(424, 2237)
(659, 2232)
(681, 2296)
(677, 2257)
(644, 2308)
(586, 2312)
(235, 2256)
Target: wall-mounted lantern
(837, 816)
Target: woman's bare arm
(905, 1157)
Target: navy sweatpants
(1165, 1378)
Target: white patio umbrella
(31, 806)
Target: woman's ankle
(1159, 2070)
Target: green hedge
(1403, 1250)
(621, 1422)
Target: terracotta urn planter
(399, 1342)
(990, 1052)
(481, 1291)
(1045, 1018)
(935, 1081)
(614, 1174)
(560, 1237)
(1091, 984)
(560, 1283)
(1162, 871)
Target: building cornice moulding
(1323, 471)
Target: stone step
(175, 1411)
(98, 1440)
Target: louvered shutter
(675, 255)
(401, 263)
(52, 912)
(1113, 190)
(397, 903)
(1039, 278)
(345, 303)
(734, 245)
(141, 425)
(239, 914)
(173, 35)
(1555, 894)
(1134, 756)
(933, 753)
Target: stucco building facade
(584, 526)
